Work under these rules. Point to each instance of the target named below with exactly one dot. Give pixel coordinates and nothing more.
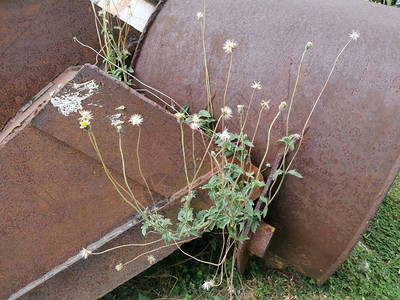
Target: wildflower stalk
(184, 155)
(255, 130)
(268, 142)
(294, 90)
(248, 107)
(123, 163)
(127, 245)
(208, 88)
(271, 198)
(227, 84)
(140, 169)
(94, 142)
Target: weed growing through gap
(235, 184)
(113, 35)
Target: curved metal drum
(349, 156)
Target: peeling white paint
(116, 119)
(120, 107)
(71, 100)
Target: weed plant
(235, 183)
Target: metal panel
(36, 45)
(55, 198)
(349, 156)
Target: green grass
(372, 270)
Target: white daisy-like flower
(85, 253)
(268, 165)
(196, 118)
(119, 267)
(84, 124)
(200, 15)
(265, 104)
(256, 85)
(194, 125)
(282, 106)
(136, 120)
(226, 112)
(208, 285)
(229, 46)
(309, 45)
(354, 35)
(179, 116)
(224, 135)
(85, 115)
(151, 259)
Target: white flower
(265, 104)
(309, 45)
(240, 108)
(136, 120)
(208, 285)
(85, 253)
(119, 267)
(119, 128)
(282, 106)
(224, 135)
(151, 259)
(84, 124)
(196, 119)
(226, 112)
(354, 35)
(200, 15)
(85, 115)
(256, 85)
(268, 165)
(179, 116)
(194, 125)
(229, 46)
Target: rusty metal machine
(54, 198)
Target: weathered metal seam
(92, 247)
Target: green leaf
(144, 228)
(166, 237)
(204, 113)
(184, 109)
(294, 173)
(276, 174)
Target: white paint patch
(120, 107)
(116, 119)
(71, 101)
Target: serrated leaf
(294, 173)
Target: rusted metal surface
(36, 45)
(349, 156)
(55, 198)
